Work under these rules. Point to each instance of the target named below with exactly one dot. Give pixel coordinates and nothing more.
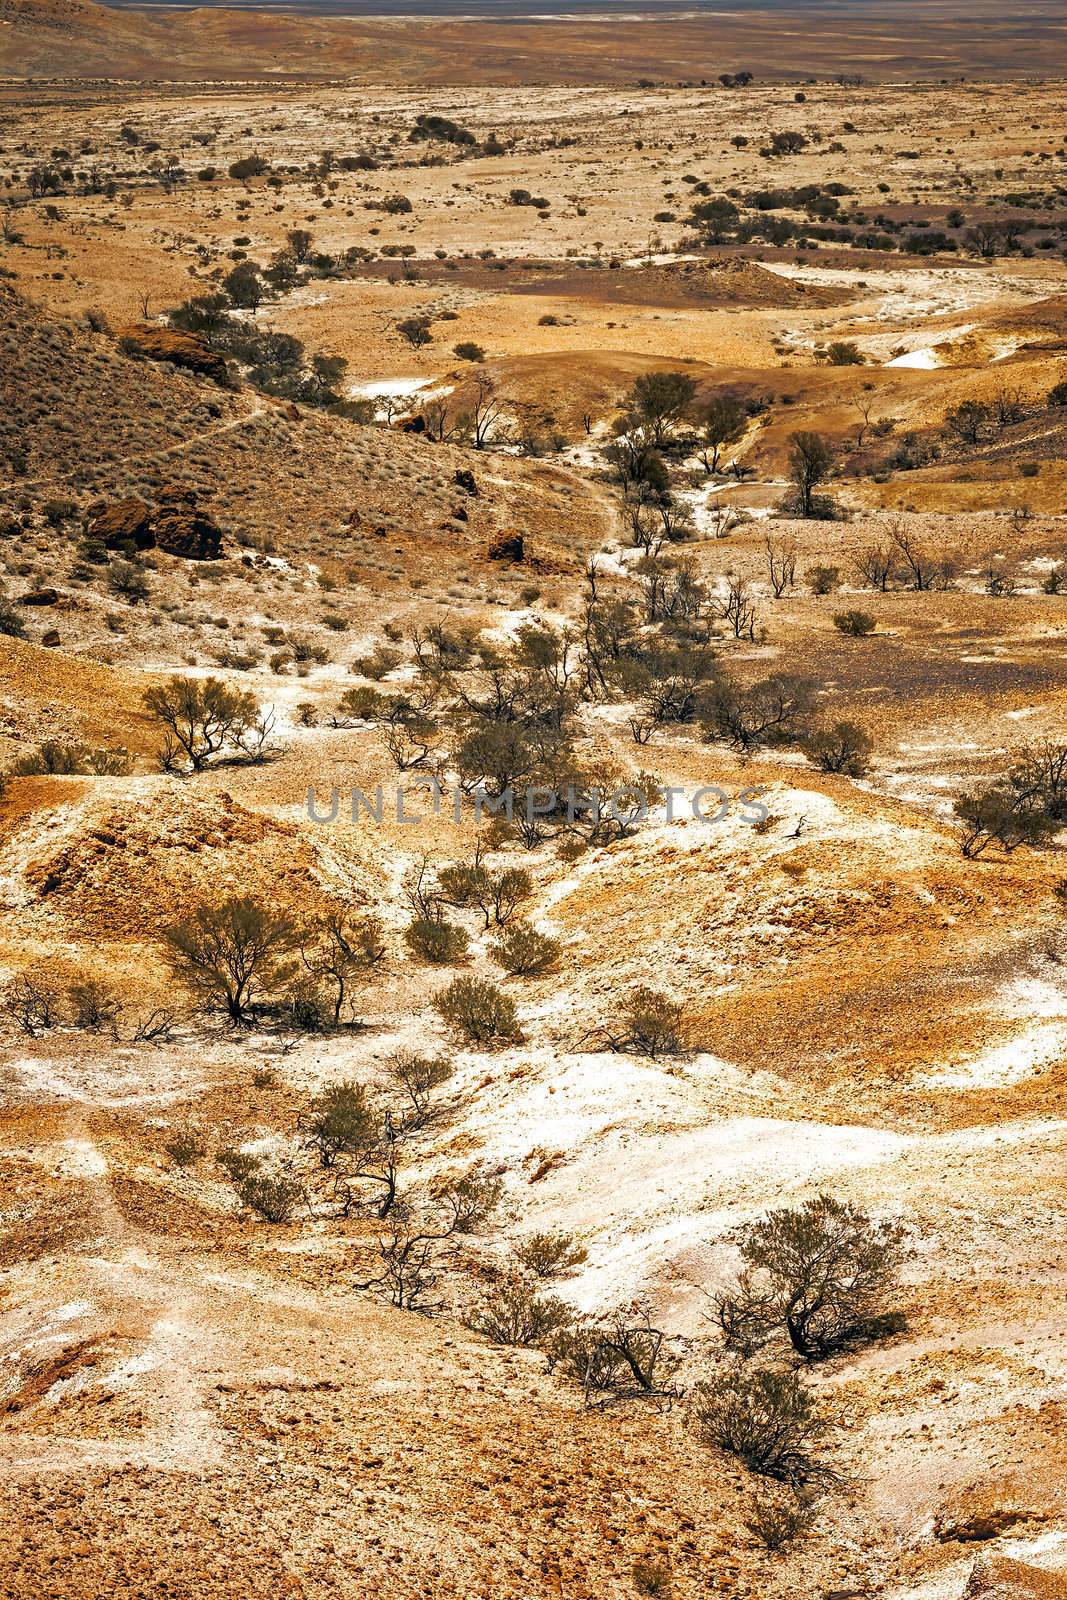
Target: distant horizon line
(514, 11)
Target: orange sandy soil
(193, 1402)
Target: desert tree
(660, 401)
(301, 242)
(723, 519)
(340, 950)
(722, 422)
(486, 413)
(31, 1003)
(245, 287)
(968, 421)
(441, 422)
(766, 712)
(864, 403)
(416, 330)
(875, 567)
(1038, 778)
(407, 1270)
(822, 1274)
(473, 885)
(925, 571)
(205, 719)
(227, 953)
(416, 1076)
(737, 608)
(996, 814)
(1007, 407)
(633, 455)
(810, 461)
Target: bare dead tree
(781, 567)
(875, 567)
(737, 608)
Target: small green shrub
(524, 952)
(652, 1022)
(856, 624)
(273, 1199)
(550, 1255)
(185, 1147)
(514, 1313)
(824, 580)
(479, 1010)
(440, 943)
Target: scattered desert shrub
(515, 1313)
(53, 758)
(434, 940)
(856, 624)
(841, 747)
(308, 1007)
(31, 1003)
(652, 1022)
(778, 1519)
(479, 1010)
(417, 1076)
(621, 1358)
(416, 330)
(997, 815)
(238, 1165)
(652, 1578)
(844, 353)
(272, 1198)
(185, 1147)
(549, 1255)
(12, 625)
(94, 1005)
(525, 952)
(340, 1122)
(768, 1418)
(823, 580)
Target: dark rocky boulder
(506, 547)
(120, 523)
(181, 529)
(177, 526)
